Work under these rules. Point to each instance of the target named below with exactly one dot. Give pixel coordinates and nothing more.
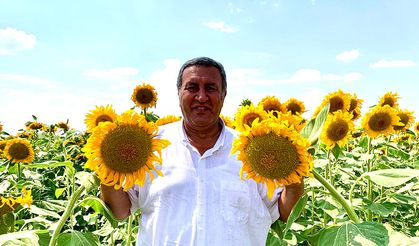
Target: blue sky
(59, 59)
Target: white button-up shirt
(201, 200)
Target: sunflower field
(360, 171)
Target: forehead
(205, 74)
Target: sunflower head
(2, 144)
(228, 121)
(406, 119)
(19, 151)
(35, 126)
(167, 119)
(98, 115)
(337, 129)
(296, 107)
(1, 127)
(338, 100)
(389, 99)
(25, 134)
(290, 120)
(63, 125)
(357, 133)
(122, 152)
(380, 121)
(8, 204)
(144, 96)
(405, 137)
(270, 104)
(355, 107)
(246, 115)
(273, 154)
(416, 128)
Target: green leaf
(100, 207)
(366, 233)
(398, 238)
(383, 209)
(21, 238)
(40, 211)
(104, 230)
(314, 127)
(295, 212)
(76, 238)
(318, 124)
(405, 198)
(392, 177)
(151, 117)
(88, 180)
(308, 128)
(329, 207)
(59, 192)
(363, 143)
(50, 164)
(336, 151)
(278, 227)
(398, 152)
(273, 240)
(44, 237)
(7, 223)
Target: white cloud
(348, 56)
(306, 75)
(253, 76)
(27, 80)
(332, 77)
(383, 63)
(12, 40)
(219, 25)
(349, 77)
(111, 74)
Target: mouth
(200, 109)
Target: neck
(203, 139)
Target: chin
(202, 121)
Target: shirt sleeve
(138, 195)
(271, 205)
(133, 195)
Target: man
(201, 200)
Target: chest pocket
(235, 201)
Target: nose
(202, 95)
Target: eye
(211, 88)
(191, 87)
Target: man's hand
(289, 198)
(117, 200)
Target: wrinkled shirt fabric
(201, 200)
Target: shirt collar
(217, 145)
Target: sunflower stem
(328, 176)
(67, 212)
(313, 198)
(19, 171)
(129, 229)
(335, 194)
(369, 190)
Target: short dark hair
(207, 62)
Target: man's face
(200, 96)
